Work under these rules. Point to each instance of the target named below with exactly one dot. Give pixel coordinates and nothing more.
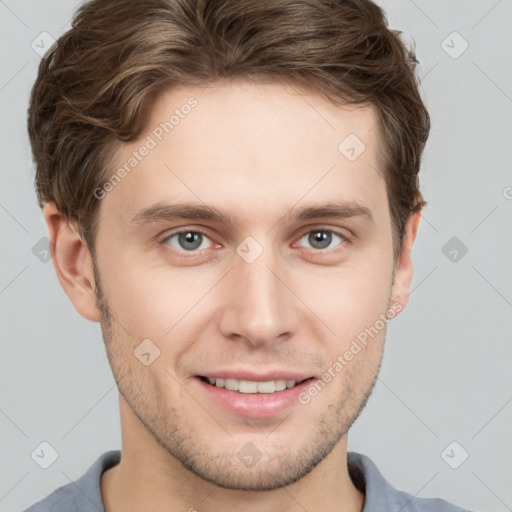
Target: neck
(148, 477)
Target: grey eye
(188, 240)
(321, 238)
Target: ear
(72, 261)
(403, 267)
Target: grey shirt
(84, 495)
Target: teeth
(281, 384)
(248, 386)
(231, 384)
(267, 387)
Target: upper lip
(257, 377)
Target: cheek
(348, 299)
(157, 302)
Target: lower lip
(254, 405)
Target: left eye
(321, 238)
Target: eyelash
(344, 240)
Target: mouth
(252, 386)
(252, 398)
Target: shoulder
(82, 495)
(381, 495)
(61, 499)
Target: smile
(248, 386)
(250, 398)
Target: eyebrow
(165, 212)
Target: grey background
(446, 371)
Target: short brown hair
(96, 86)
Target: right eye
(187, 240)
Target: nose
(257, 305)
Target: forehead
(241, 144)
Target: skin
(256, 151)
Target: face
(279, 278)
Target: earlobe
(72, 262)
(404, 267)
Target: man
(231, 189)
